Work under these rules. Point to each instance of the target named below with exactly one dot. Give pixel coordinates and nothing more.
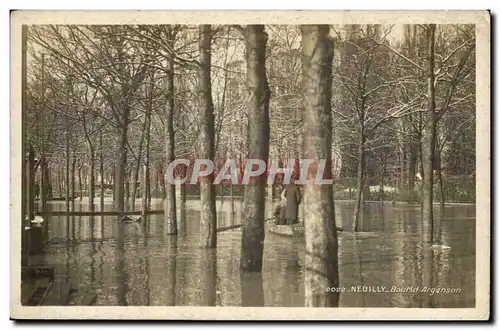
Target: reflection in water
(208, 279)
(139, 264)
(121, 292)
(252, 291)
(171, 264)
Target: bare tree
(170, 202)
(208, 229)
(252, 240)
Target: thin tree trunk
(358, 208)
(67, 167)
(157, 184)
(80, 185)
(382, 173)
(101, 170)
(59, 180)
(439, 174)
(30, 184)
(429, 141)
(113, 182)
(92, 180)
(181, 195)
(135, 179)
(137, 167)
(148, 186)
(221, 188)
(441, 188)
(163, 187)
(252, 244)
(421, 152)
(44, 186)
(73, 184)
(43, 164)
(412, 166)
(144, 203)
(208, 225)
(321, 263)
(270, 191)
(128, 174)
(231, 216)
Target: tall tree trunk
(163, 187)
(44, 184)
(101, 170)
(252, 240)
(181, 197)
(208, 225)
(60, 180)
(421, 159)
(92, 180)
(148, 173)
(429, 140)
(169, 202)
(442, 200)
(135, 179)
(30, 184)
(67, 166)
(80, 184)
(270, 190)
(157, 182)
(144, 202)
(126, 193)
(121, 162)
(382, 174)
(137, 167)
(412, 158)
(412, 170)
(359, 206)
(73, 170)
(113, 182)
(439, 172)
(231, 208)
(43, 160)
(321, 263)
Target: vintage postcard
(250, 165)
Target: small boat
(440, 247)
(131, 218)
(296, 230)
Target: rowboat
(131, 219)
(296, 230)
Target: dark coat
(279, 215)
(293, 198)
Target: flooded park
(140, 265)
(228, 165)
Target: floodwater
(139, 265)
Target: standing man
(293, 198)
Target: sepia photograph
(250, 165)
